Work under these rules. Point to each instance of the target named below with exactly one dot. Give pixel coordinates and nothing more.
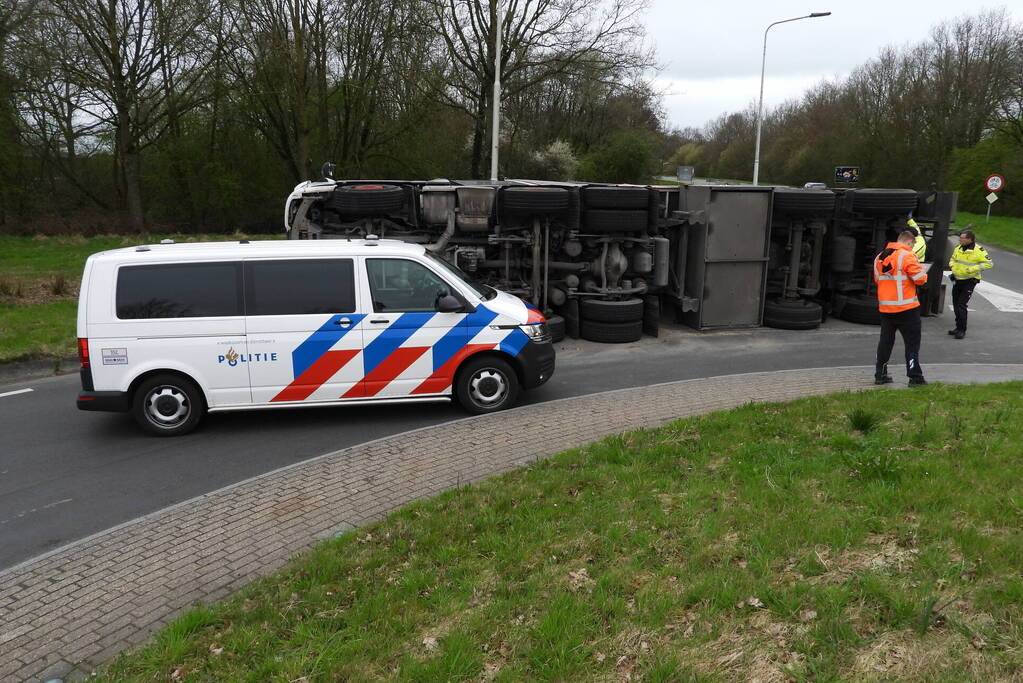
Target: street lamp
(760, 106)
(495, 124)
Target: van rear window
(297, 287)
(179, 290)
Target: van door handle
(377, 322)
(343, 322)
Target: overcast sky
(711, 51)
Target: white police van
(170, 331)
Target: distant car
(815, 186)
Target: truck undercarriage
(605, 261)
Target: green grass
(1003, 231)
(39, 279)
(764, 542)
(40, 331)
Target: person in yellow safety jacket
(898, 273)
(919, 244)
(967, 261)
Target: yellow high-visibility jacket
(920, 244)
(967, 263)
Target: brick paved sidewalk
(67, 612)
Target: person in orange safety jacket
(898, 273)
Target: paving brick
(95, 598)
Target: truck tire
(858, 309)
(535, 200)
(652, 315)
(804, 202)
(611, 333)
(168, 405)
(486, 384)
(366, 200)
(626, 311)
(883, 202)
(601, 197)
(788, 314)
(614, 220)
(556, 326)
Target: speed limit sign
(994, 183)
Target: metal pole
(760, 106)
(988, 217)
(495, 127)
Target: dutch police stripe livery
(388, 355)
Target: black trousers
(908, 325)
(962, 290)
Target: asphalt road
(66, 474)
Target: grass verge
(855, 536)
(1005, 232)
(39, 280)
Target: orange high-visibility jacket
(897, 272)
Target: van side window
(400, 285)
(301, 286)
(179, 290)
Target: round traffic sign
(994, 182)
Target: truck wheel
(883, 202)
(556, 326)
(535, 200)
(611, 333)
(366, 200)
(858, 309)
(788, 314)
(804, 202)
(486, 385)
(600, 197)
(597, 310)
(167, 405)
(606, 220)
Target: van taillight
(83, 352)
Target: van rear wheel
(167, 405)
(486, 385)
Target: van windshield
(485, 292)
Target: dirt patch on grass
(35, 291)
(880, 552)
(760, 649)
(906, 655)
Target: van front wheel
(486, 385)
(167, 405)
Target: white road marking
(19, 391)
(34, 510)
(1002, 298)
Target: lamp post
(495, 124)
(760, 106)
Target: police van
(171, 331)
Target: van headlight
(537, 332)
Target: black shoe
(959, 334)
(953, 332)
(917, 381)
(883, 379)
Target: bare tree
(128, 65)
(541, 39)
(13, 15)
(278, 57)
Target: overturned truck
(609, 262)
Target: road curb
(72, 610)
(34, 369)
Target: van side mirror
(446, 303)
